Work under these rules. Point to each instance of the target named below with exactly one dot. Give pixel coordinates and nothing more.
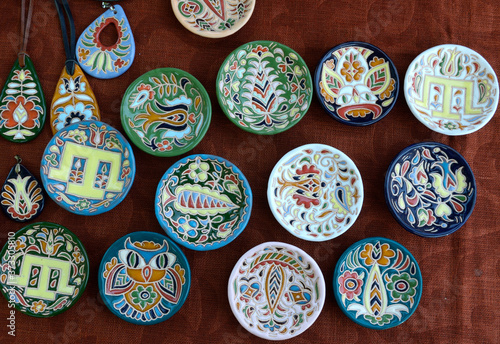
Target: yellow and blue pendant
(106, 61)
(21, 197)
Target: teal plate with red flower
(203, 202)
(166, 112)
(430, 189)
(264, 87)
(377, 283)
(144, 278)
(88, 167)
(45, 269)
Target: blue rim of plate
(363, 121)
(401, 258)
(404, 218)
(171, 308)
(79, 204)
(241, 224)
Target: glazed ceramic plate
(166, 112)
(213, 18)
(315, 191)
(430, 189)
(264, 87)
(45, 269)
(356, 83)
(276, 291)
(144, 278)
(88, 168)
(203, 202)
(451, 89)
(377, 283)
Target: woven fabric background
(460, 272)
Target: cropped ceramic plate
(88, 168)
(203, 202)
(166, 112)
(430, 189)
(276, 291)
(213, 18)
(451, 89)
(315, 191)
(264, 87)
(377, 283)
(356, 83)
(144, 278)
(45, 269)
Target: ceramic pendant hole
(109, 35)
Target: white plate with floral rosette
(213, 18)
(316, 192)
(276, 291)
(451, 89)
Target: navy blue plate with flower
(430, 189)
(144, 278)
(377, 283)
(356, 83)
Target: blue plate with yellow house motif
(356, 83)
(88, 168)
(203, 202)
(430, 189)
(144, 278)
(377, 283)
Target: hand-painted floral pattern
(213, 18)
(203, 202)
(377, 283)
(44, 257)
(451, 89)
(166, 112)
(100, 60)
(315, 192)
(88, 168)
(431, 189)
(357, 83)
(276, 291)
(22, 104)
(264, 87)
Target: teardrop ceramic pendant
(103, 61)
(21, 198)
(22, 105)
(73, 101)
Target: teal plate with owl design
(203, 202)
(264, 87)
(377, 283)
(45, 269)
(451, 89)
(356, 83)
(88, 168)
(315, 192)
(276, 291)
(430, 189)
(166, 112)
(144, 278)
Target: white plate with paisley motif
(316, 192)
(276, 291)
(213, 18)
(451, 89)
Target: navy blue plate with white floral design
(356, 83)
(430, 189)
(377, 283)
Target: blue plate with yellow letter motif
(88, 168)
(144, 278)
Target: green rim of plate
(264, 87)
(166, 112)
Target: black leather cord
(69, 44)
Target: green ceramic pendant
(22, 105)
(166, 112)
